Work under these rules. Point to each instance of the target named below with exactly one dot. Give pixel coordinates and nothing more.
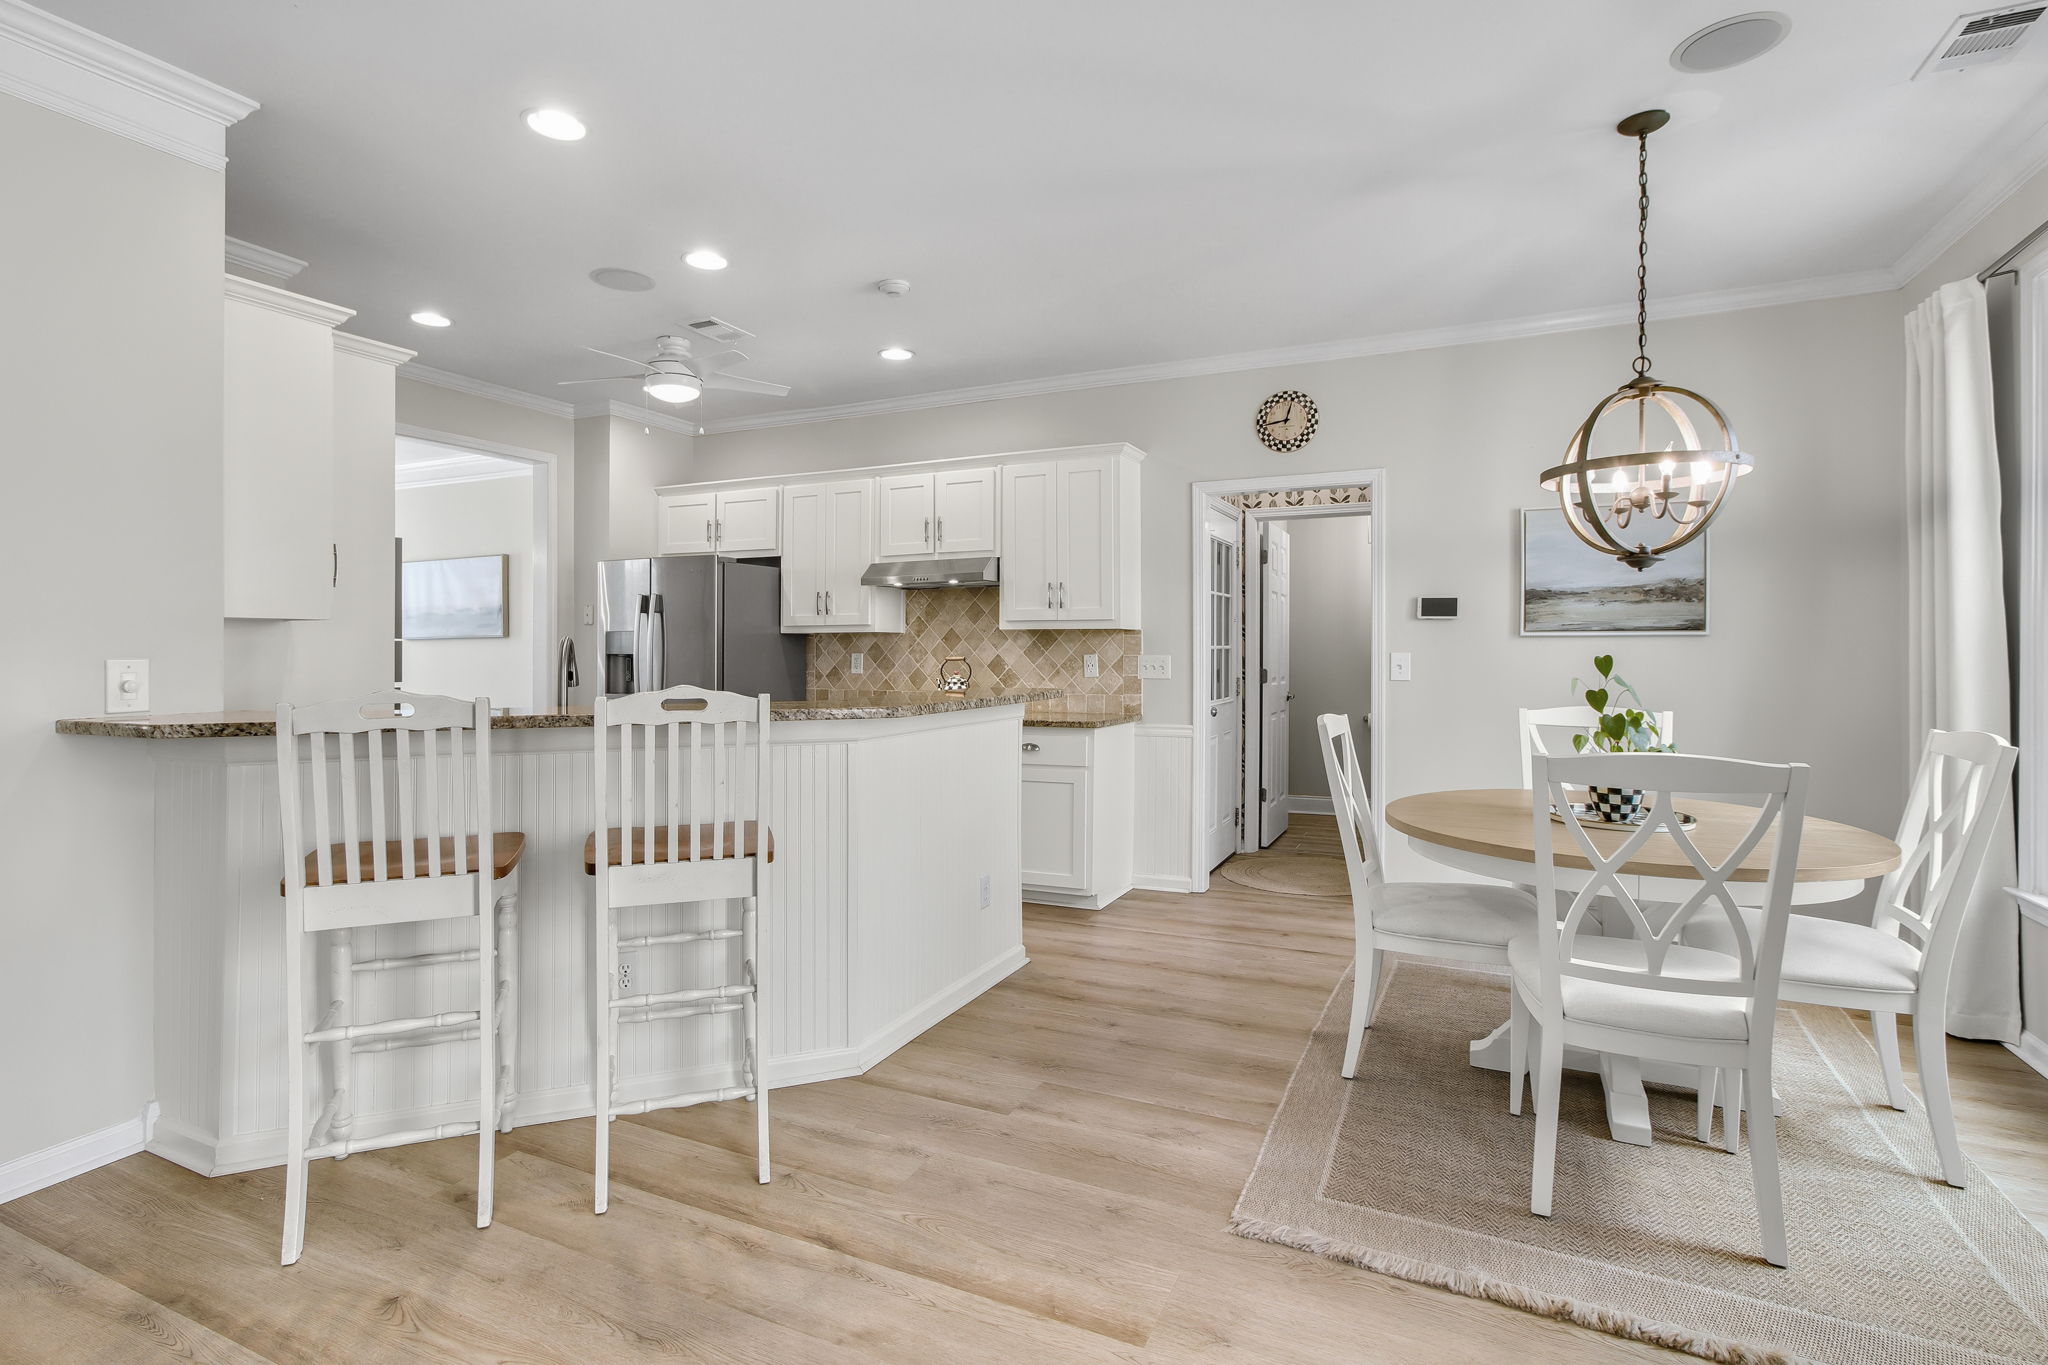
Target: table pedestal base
(1628, 1108)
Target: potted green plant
(1619, 729)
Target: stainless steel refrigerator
(699, 619)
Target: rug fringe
(1472, 1284)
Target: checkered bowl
(1617, 805)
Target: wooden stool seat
(710, 841)
(507, 847)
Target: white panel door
(1055, 826)
(905, 516)
(1086, 525)
(685, 524)
(1276, 680)
(849, 549)
(964, 512)
(804, 513)
(749, 521)
(1029, 587)
(1218, 763)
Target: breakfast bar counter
(894, 898)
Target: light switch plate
(860, 661)
(1091, 666)
(127, 685)
(1155, 665)
(1398, 668)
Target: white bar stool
(690, 827)
(411, 806)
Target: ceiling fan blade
(629, 359)
(739, 384)
(608, 379)
(724, 360)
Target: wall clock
(1287, 420)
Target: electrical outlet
(1155, 665)
(1091, 665)
(625, 976)
(127, 685)
(589, 614)
(988, 892)
(860, 661)
(1398, 668)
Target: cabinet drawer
(1068, 747)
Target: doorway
(1218, 751)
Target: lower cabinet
(1079, 821)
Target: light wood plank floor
(1047, 1175)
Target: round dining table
(1488, 832)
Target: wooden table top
(1495, 823)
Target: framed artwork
(456, 599)
(1569, 588)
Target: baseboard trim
(915, 1021)
(1183, 885)
(2031, 1049)
(76, 1156)
(1068, 900)
(1310, 805)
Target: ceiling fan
(672, 376)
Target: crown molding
(633, 412)
(1991, 178)
(272, 265)
(1512, 329)
(347, 343)
(284, 301)
(479, 388)
(466, 467)
(57, 64)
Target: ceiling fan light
(668, 388)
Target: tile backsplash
(962, 621)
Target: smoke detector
(720, 331)
(1979, 39)
(895, 289)
(1731, 42)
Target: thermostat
(1436, 608)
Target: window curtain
(1956, 614)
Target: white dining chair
(1540, 727)
(1651, 996)
(686, 773)
(383, 816)
(1899, 963)
(1459, 921)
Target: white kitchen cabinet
(278, 554)
(1070, 543)
(828, 530)
(731, 521)
(945, 513)
(1080, 822)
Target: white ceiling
(1071, 185)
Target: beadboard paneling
(1165, 769)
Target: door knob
(1212, 711)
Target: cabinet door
(1055, 827)
(1085, 524)
(804, 512)
(683, 523)
(1029, 576)
(964, 512)
(850, 544)
(748, 521)
(905, 517)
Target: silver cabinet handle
(927, 530)
(941, 538)
(707, 533)
(721, 528)
(1063, 596)
(1030, 748)
(828, 601)
(817, 604)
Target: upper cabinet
(949, 512)
(1070, 543)
(828, 530)
(279, 556)
(731, 521)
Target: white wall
(110, 540)
(1808, 562)
(619, 464)
(454, 521)
(1330, 654)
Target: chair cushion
(708, 837)
(1672, 1014)
(1825, 952)
(506, 848)
(1456, 912)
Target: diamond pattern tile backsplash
(963, 621)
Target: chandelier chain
(1642, 362)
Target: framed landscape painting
(455, 599)
(1569, 588)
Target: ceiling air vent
(725, 334)
(1990, 35)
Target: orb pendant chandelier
(1618, 486)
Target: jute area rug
(1416, 1169)
(1289, 874)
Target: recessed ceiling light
(704, 258)
(1731, 42)
(631, 281)
(559, 124)
(897, 353)
(427, 317)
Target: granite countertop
(827, 706)
(1084, 713)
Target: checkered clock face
(1287, 420)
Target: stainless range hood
(979, 572)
